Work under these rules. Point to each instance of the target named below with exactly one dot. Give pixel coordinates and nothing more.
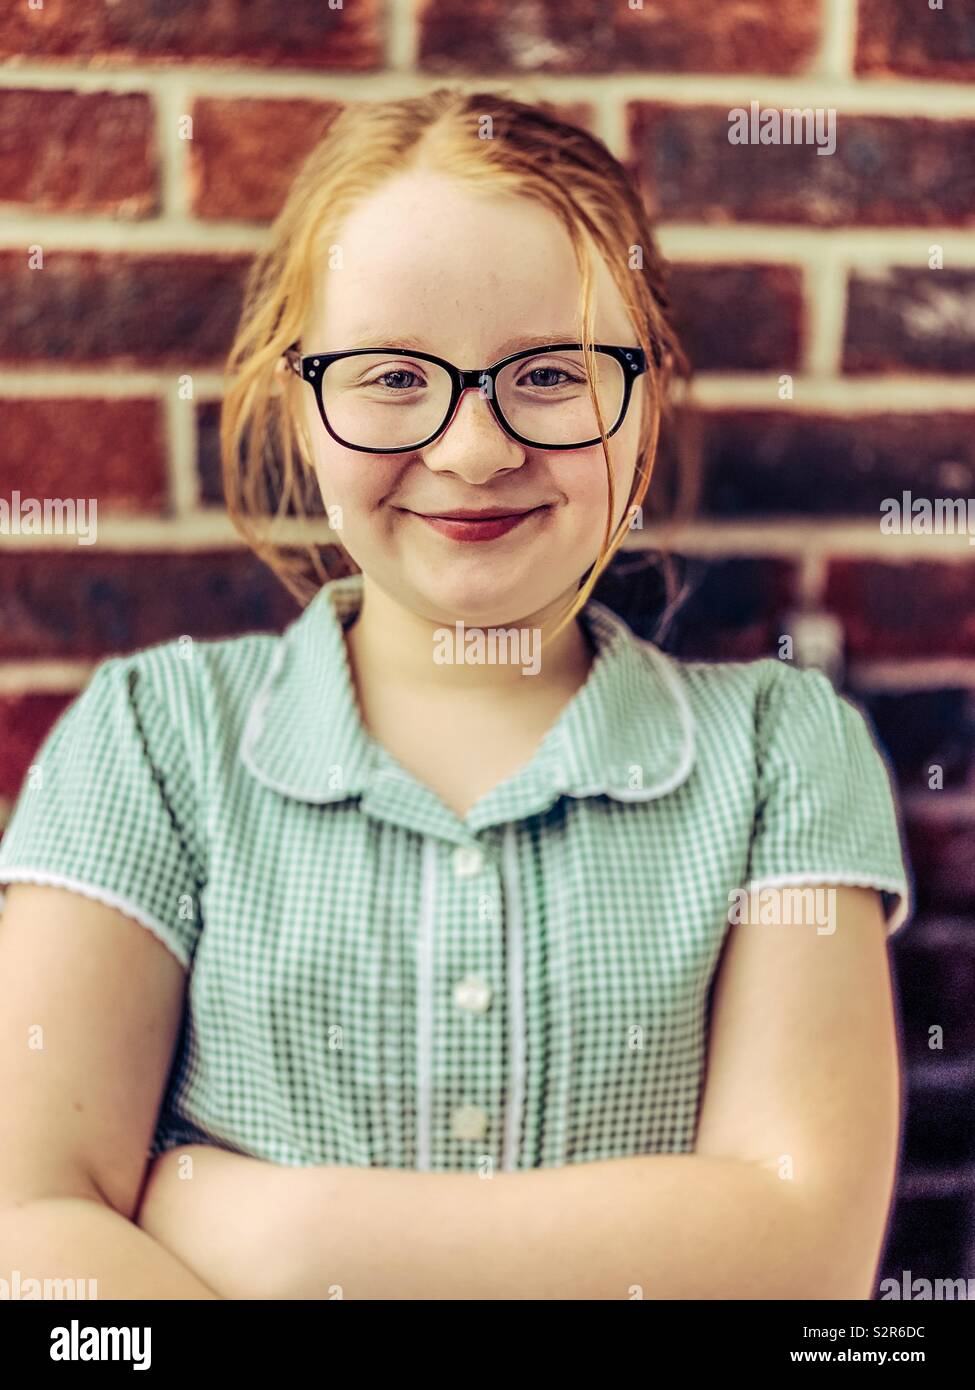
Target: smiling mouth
(483, 525)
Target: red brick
(92, 605)
(84, 306)
(245, 153)
(907, 38)
(113, 450)
(24, 720)
(739, 317)
(578, 36)
(885, 171)
(792, 462)
(300, 34)
(79, 152)
(910, 320)
(917, 608)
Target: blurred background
(827, 302)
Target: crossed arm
(786, 1195)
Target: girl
(456, 943)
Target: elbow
(839, 1248)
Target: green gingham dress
(374, 980)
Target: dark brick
(930, 1237)
(939, 1129)
(577, 36)
(790, 462)
(301, 34)
(730, 609)
(211, 475)
(882, 173)
(111, 449)
(907, 38)
(911, 320)
(79, 151)
(934, 970)
(941, 847)
(739, 317)
(922, 729)
(24, 720)
(80, 605)
(125, 310)
(917, 609)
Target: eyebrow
(384, 338)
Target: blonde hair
(530, 152)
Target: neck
(389, 642)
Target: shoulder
(199, 688)
(755, 696)
(771, 715)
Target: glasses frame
(311, 368)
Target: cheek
(586, 487)
(356, 483)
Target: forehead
(457, 267)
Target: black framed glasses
(390, 400)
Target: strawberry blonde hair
(488, 141)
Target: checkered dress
(373, 980)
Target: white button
(468, 1122)
(468, 860)
(472, 994)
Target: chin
(490, 603)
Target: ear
(281, 373)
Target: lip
(485, 524)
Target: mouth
(487, 524)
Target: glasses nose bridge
(474, 377)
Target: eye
(394, 379)
(544, 377)
(537, 372)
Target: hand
(227, 1216)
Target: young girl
(456, 943)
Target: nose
(473, 444)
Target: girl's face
(463, 275)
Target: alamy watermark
(928, 516)
(49, 516)
(489, 646)
(788, 126)
(938, 1290)
(786, 906)
(17, 1287)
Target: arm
(785, 1197)
(802, 1072)
(90, 1005)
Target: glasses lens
(546, 398)
(388, 400)
(385, 400)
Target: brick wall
(786, 264)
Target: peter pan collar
(628, 733)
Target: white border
(850, 880)
(516, 1001)
(102, 895)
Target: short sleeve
(108, 809)
(826, 810)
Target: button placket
(472, 993)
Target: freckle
(77, 1105)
